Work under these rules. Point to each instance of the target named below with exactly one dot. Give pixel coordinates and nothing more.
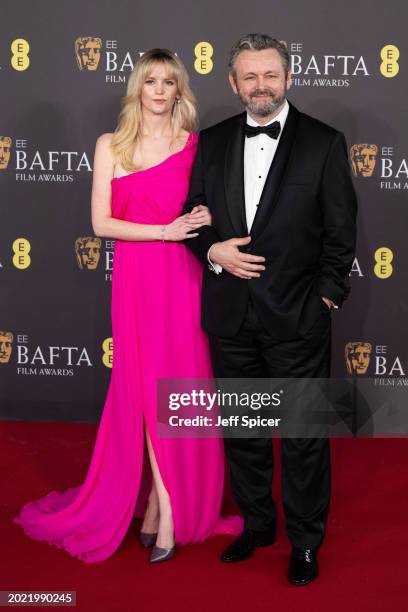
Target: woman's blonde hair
(184, 114)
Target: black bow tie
(273, 130)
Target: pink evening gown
(156, 333)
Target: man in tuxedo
(278, 255)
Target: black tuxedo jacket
(305, 225)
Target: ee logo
(107, 347)
(21, 257)
(203, 52)
(389, 66)
(383, 257)
(19, 59)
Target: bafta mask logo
(6, 345)
(357, 356)
(363, 158)
(5, 151)
(88, 52)
(88, 252)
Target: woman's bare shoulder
(103, 149)
(104, 140)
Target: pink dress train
(156, 333)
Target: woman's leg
(165, 534)
(152, 514)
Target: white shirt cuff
(214, 267)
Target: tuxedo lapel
(276, 172)
(234, 177)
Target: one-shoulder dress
(156, 333)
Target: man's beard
(262, 108)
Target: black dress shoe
(303, 567)
(245, 544)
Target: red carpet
(363, 563)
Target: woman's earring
(178, 100)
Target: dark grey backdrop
(51, 108)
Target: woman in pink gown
(156, 333)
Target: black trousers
(252, 353)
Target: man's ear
(289, 79)
(232, 83)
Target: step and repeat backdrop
(63, 69)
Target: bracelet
(163, 229)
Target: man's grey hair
(258, 42)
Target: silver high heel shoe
(162, 554)
(147, 539)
